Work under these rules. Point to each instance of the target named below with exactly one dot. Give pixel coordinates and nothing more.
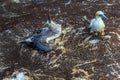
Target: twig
(89, 62)
(68, 3)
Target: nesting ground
(78, 61)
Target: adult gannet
(97, 24)
(43, 38)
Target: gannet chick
(97, 24)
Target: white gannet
(97, 24)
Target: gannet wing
(40, 46)
(91, 22)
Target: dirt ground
(78, 61)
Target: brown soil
(92, 62)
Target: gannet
(43, 38)
(97, 24)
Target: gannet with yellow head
(44, 36)
(97, 24)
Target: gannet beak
(104, 17)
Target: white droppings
(66, 30)
(87, 39)
(27, 32)
(109, 4)
(85, 17)
(94, 41)
(119, 76)
(81, 29)
(118, 35)
(82, 79)
(107, 37)
(19, 76)
(16, 1)
(8, 31)
(61, 21)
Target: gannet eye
(100, 15)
